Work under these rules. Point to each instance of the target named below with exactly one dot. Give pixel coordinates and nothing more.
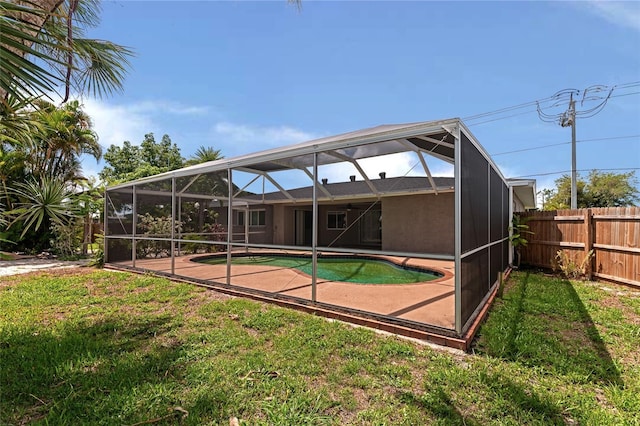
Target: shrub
(569, 267)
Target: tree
(131, 162)
(601, 189)
(203, 155)
(43, 45)
(65, 133)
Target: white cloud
(174, 108)
(236, 139)
(115, 124)
(626, 14)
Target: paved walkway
(31, 264)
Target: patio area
(430, 302)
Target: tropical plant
(517, 236)
(66, 238)
(97, 259)
(42, 203)
(65, 133)
(43, 45)
(204, 154)
(90, 204)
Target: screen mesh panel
(474, 271)
(495, 264)
(118, 250)
(474, 195)
(496, 218)
(484, 225)
(119, 220)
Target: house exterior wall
(345, 238)
(518, 206)
(257, 234)
(279, 225)
(418, 223)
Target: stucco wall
(279, 226)
(518, 206)
(419, 223)
(345, 238)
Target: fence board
(613, 233)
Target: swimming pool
(353, 269)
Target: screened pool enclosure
(420, 198)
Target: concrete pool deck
(430, 303)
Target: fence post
(588, 241)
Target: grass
(98, 347)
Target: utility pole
(568, 118)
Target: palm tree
(65, 134)
(204, 154)
(52, 33)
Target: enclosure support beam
(357, 166)
(179, 199)
(314, 232)
(457, 174)
(247, 185)
(272, 180)
(436, 141)
(418, 152)
(182, 191)
(173, 226)
(134, 217)
(317, 184)
(105, 227)
(229, 225)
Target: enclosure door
(303, 227)
(371, 227)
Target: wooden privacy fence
(613, 233)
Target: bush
(66, 239)
(569, 268)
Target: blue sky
(246, 76)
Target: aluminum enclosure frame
(419, 138)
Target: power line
(581, 170)
(555, 98)
(568, 118)
(520, 113)
(533, 148)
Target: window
(337, 220)
(257, 218)
(239, 218)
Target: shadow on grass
(543, 322)
(437, 403)
(84, 372)
(508, 399)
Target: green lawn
(100, 347)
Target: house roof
(525, 190)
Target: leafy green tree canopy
(600, 189)
(131, 162)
